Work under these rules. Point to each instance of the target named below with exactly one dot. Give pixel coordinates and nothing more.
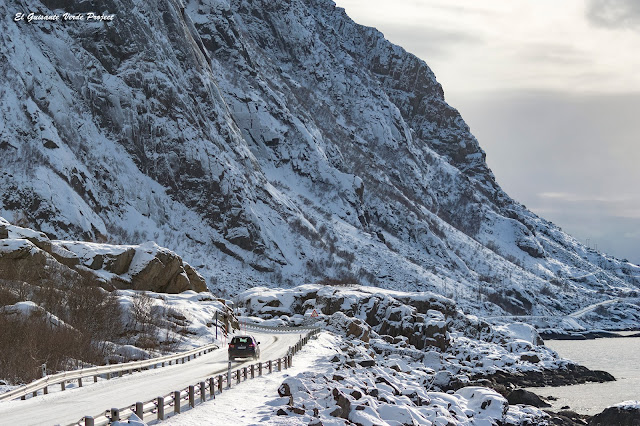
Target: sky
(550, 89)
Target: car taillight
(251, 345)
(231, 346)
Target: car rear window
(241, 340)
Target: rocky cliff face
(31, 257)
(270, 143)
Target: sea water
(619, 356)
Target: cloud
(614, 14)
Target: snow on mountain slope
(270, 143)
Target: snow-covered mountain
(269, 143)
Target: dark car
(244, 347)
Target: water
(618, 356)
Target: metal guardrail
(197, 393)
(283, 328)
(108, 370)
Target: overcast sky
(551, 89)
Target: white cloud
(515, 44)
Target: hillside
(271, 143)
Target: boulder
(119, 263)
(284, 390)
(344, 404)
(619, 415)
(358, 329)
(521, 396)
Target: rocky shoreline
(510, 385)
(584, 335)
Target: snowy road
(71, 405)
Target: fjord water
(619, 356)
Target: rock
(534, 359)
(344, 404)
(617, 416)
(284, 390)
(164, 273)
(65, 256)
(296, 410)
(359, 330)
(521, 396)
(381, 379)
(373, 392)
(196, 281)
(21, 260)
(367, 362)
(281, 412)
(356, 394)
(119, 263)
(15, 249)
(39, 239)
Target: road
(590, 308)
(73, 404)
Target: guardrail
(197, 393)
(272, 328)
(107, 370)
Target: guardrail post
(220, 383)
(176, 402)
(88, 421)
(270, 367)
(45, 390)
(203, 392)
(229, 376)
(115, 415)
(62, 385)
(212, 388)
(260, 369)
(160, 403)
(192, 396)
(139, 410)
(279, 364)
(238, 375)
(244, 373)
(290, 358)
(253, 374)
(95, 379)
(80, 382)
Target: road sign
(314, 314)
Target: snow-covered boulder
(624, 413)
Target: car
(244, 347)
